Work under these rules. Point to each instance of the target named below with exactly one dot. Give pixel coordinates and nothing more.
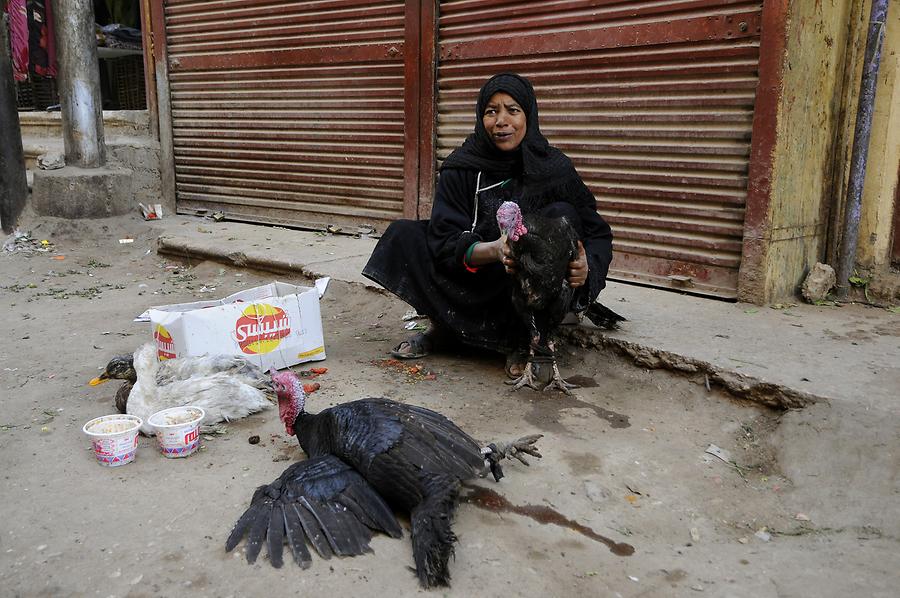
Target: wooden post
(79, 83)
(13, 186)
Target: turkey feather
(293, 531)
(275, 536)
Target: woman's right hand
(493, 251)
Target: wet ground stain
(582, 463)
(487, 499)
(582, 381)
(558, 401)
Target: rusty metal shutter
(288, 112)
(652, 100)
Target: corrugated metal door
(653, 101)
(288, 112)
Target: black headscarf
(547, 173)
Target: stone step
(34, 146)
(129, 146)
(115, 123)
(72, 192)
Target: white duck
(227, 387)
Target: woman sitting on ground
(454, 268)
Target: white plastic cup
(178, 430)
(114, 438)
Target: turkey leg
(527, 377)
(557, 382)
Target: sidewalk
(789, 357)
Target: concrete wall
(816, 115)
(128, 145)
(807, 139)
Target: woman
(454, 268)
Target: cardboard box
(274, 326)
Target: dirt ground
(809, 506)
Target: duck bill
(99, 379)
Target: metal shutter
(653, 101)
(288, 112)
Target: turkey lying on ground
(366, 458)
(227, 387)
(541, 296)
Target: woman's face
(504, 121)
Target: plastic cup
(178, 430)
(114, 438)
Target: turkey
(227, 387)
(367, 457)
(542, 249)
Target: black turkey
(366, 458)
(542, 248)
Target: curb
(738, 385)
(181, 247)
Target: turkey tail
(432, 536)
(322, 501)
(603, 317)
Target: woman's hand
(578, 268)
(489, 252)
(506, 257)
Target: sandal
(515, 364)
(415, 347)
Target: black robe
(421, 261)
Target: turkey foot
(496, 452)
(515, 449)
(526, 379)
(558, 383)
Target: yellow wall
(817, 35)
(822, 66)
(875, 225)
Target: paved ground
(808, 506)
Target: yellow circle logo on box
(260, 328)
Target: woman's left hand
(578, 268)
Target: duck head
(120, 367)
(291, 397)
